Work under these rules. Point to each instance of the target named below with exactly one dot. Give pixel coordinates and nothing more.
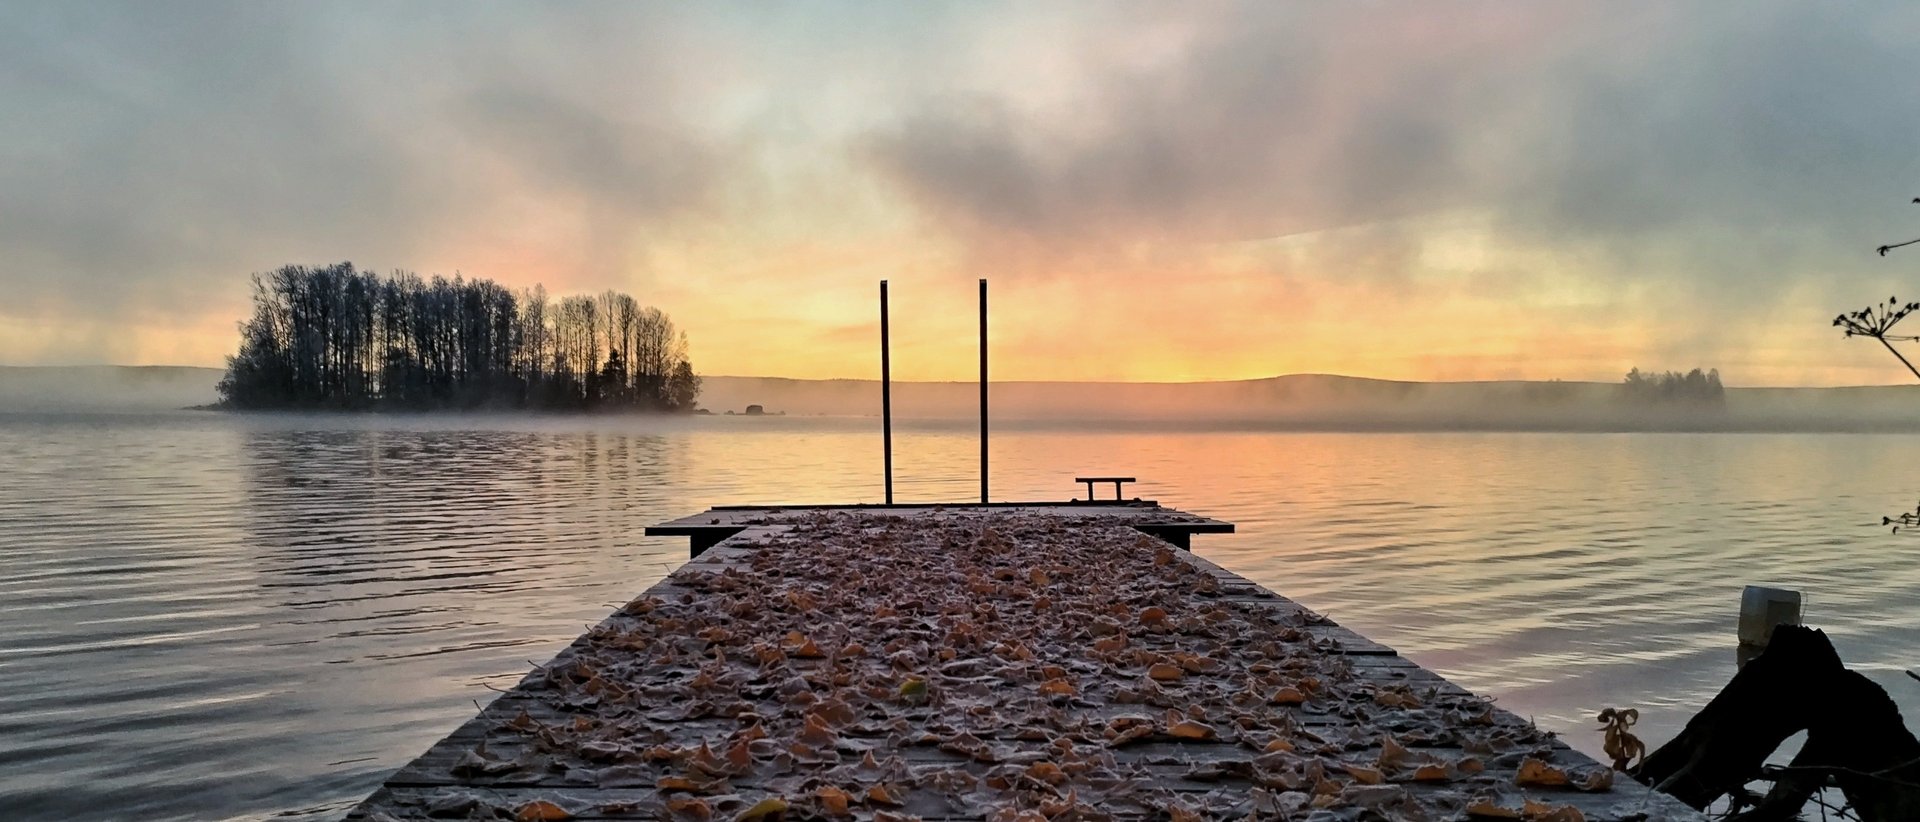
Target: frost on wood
(1006, 667)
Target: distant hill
(1336, 402)
(1305, 401)
(106, 387)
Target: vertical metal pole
(886, 392)
(983, 391)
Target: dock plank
(1061, 657)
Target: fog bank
(1301, 401)
(106, 388)
(1318, 401)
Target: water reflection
(209, 616)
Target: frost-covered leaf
(1536, 773)
(541, 810)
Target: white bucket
(1762, 608)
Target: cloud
(155, 156)
(1666, 141)
(637, 169)
(1272, 121)
(1478, 180)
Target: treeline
(1696, 387)
(338, 338)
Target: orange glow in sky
(1157, 192)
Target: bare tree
(336, 337)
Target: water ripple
(207, 616)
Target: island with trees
(337, 338)
(1696, 387)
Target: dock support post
(983, 391)
(886, 394)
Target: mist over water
(1295, 402)
(1324, 402)
(211, 616)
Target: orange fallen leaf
(523, 722)
(834, 710)
(1123, 729)
(1543, 812)
(817, 733)
(1287, 695)
(1047, 772)
(1363, 774)
(541, 810)
(1431, 773)
(1277, 745)
(1189, 729)
(690, 807)
(1535, 773)
(1392, 753)
(681, 783)
(740, 757)
(1396, 699)
(1163, 672)
(705, 760)
(1111, 644)
(1038, 578)
(833, 799)
(1489, 809)
(880, 795)
(1057, 687)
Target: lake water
(208, 616)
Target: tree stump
(1856, 738)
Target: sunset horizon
(959, 410)
(1552, 191)
(969, 380)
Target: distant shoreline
(1308, 403)
(216, 372)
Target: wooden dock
(1009, 662)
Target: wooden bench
(1117, 482)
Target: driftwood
(1856, 738)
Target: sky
(1156, 191)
